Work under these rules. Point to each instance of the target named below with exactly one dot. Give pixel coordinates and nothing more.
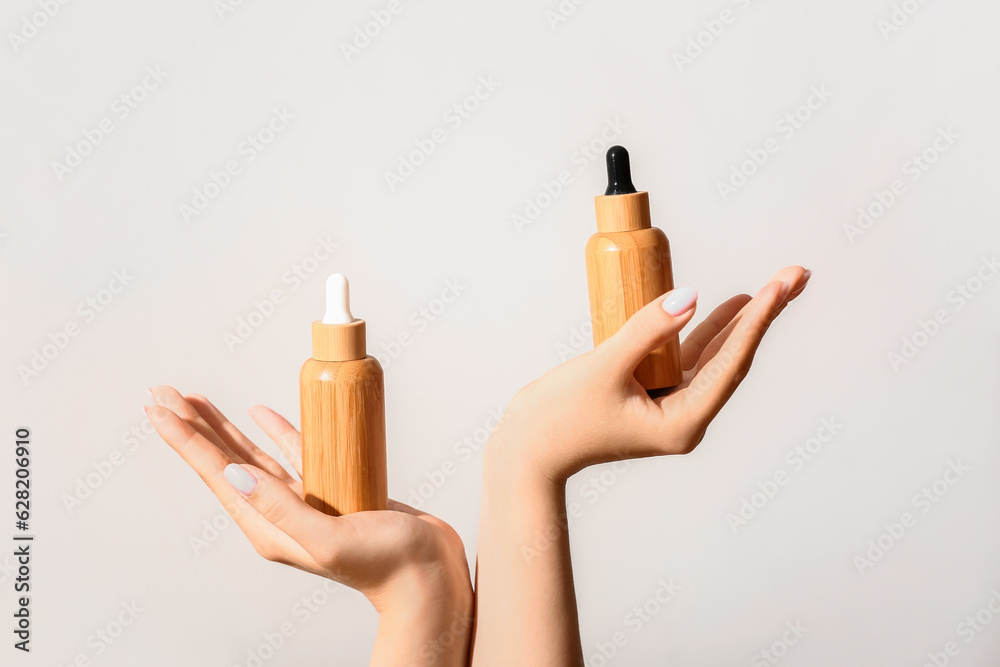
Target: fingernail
(679, 301)
(151, 415)
(785, 286)
(800, 288)
(145, 413)
(241, 479)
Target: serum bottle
(343, 413)
(628, 265)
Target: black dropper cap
(619, 172)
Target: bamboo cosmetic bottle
(628, 265)
(343, 413)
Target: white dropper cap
(339, 336)
(338, 300)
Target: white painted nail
(679, 301)
(240, 478)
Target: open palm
(365, 551)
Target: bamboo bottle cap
(621, 208)
(338, 336)
(338, 342)
(622, 213)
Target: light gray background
(522, 308)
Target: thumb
(651, 327)
(276, 502)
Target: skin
(410, 565)
(586, 411)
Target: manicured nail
(800, 288)
(149, 391)
(241, 479)
(680, 301)
(151, 414)
(783, 294)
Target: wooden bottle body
(625, 271)
(343, 435)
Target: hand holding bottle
(589, 410)
(410, 565)
(592, 410)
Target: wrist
(522, 504)
(526, 605)
(425, 616)
(423, 585)
(519, 466)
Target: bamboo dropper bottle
(628, 265)
(343, 413)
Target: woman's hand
(409, 564)
(592, 410)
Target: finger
(235, 439)
(315, 531)
(649, 328)
(716, 343)
(716, 381)
(210, 463)
(198, 451)
(698, 340)
(171, 399)
(288, 439)
(795, 276)
(803, 281)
